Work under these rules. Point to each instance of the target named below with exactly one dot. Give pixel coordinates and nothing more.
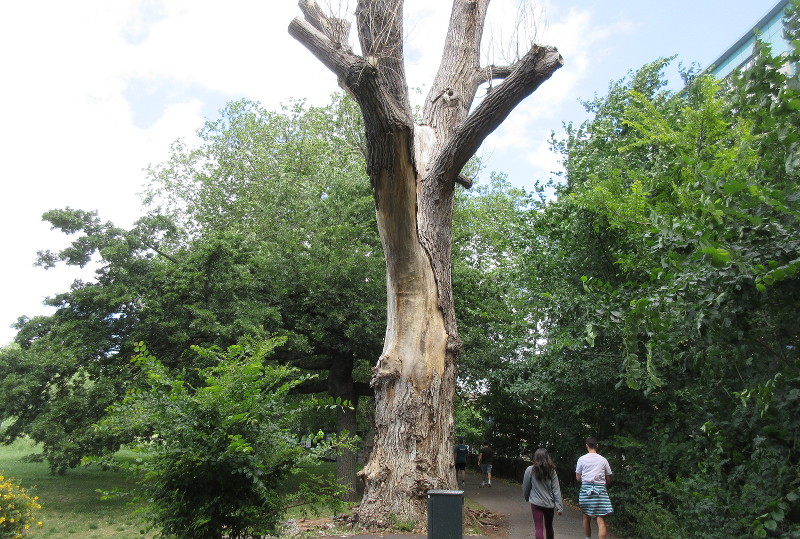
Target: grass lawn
(71, 504)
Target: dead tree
(413, 170)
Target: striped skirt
(594, 500)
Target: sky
(94, 91)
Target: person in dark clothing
(460, 454)
(485, 462)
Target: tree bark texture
(339, 384)
(413, 170)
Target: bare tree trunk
(413, 170)
(415, 376)
(346, 459)
(339, 384)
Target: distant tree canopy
(265, 226)
(666, 272)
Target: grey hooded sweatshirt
(545, 493)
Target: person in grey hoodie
(541, 489)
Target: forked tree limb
(527, 75)
(376, 80)
(342, 61)
(453, 89)
(337, 30)
(322, 385)
(313, 363)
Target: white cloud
(69, 138)
(542, 159)
(240, 48)
(582, 42)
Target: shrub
(218, 454)
(17, 509)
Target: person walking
(460, 455)
(541, 489)
(594, 473)
(485, 458)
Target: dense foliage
(667, 269)
(216, 455)
(265, 225)
(285, 194)
(496, 318)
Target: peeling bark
(413, 170)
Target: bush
(17, 509)
(219, 454)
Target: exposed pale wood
(413, 171)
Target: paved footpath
(506, 498)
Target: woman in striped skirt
(594, 473)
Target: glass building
(769, 30)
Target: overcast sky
(95, 90)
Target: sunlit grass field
(71, 505)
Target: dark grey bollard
(445, 514)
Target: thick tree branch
(454, 87)
(316, 385)
(343, 62)
(312, 363)
(490, 73)
(337, 30)
(464, 181)
(311, 386)
(527, 75)
(377, 81)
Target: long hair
(543, 465)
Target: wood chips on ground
(476, 522)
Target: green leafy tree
(669, 263)
(290, 185)
(494, 309)
(263, 224)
